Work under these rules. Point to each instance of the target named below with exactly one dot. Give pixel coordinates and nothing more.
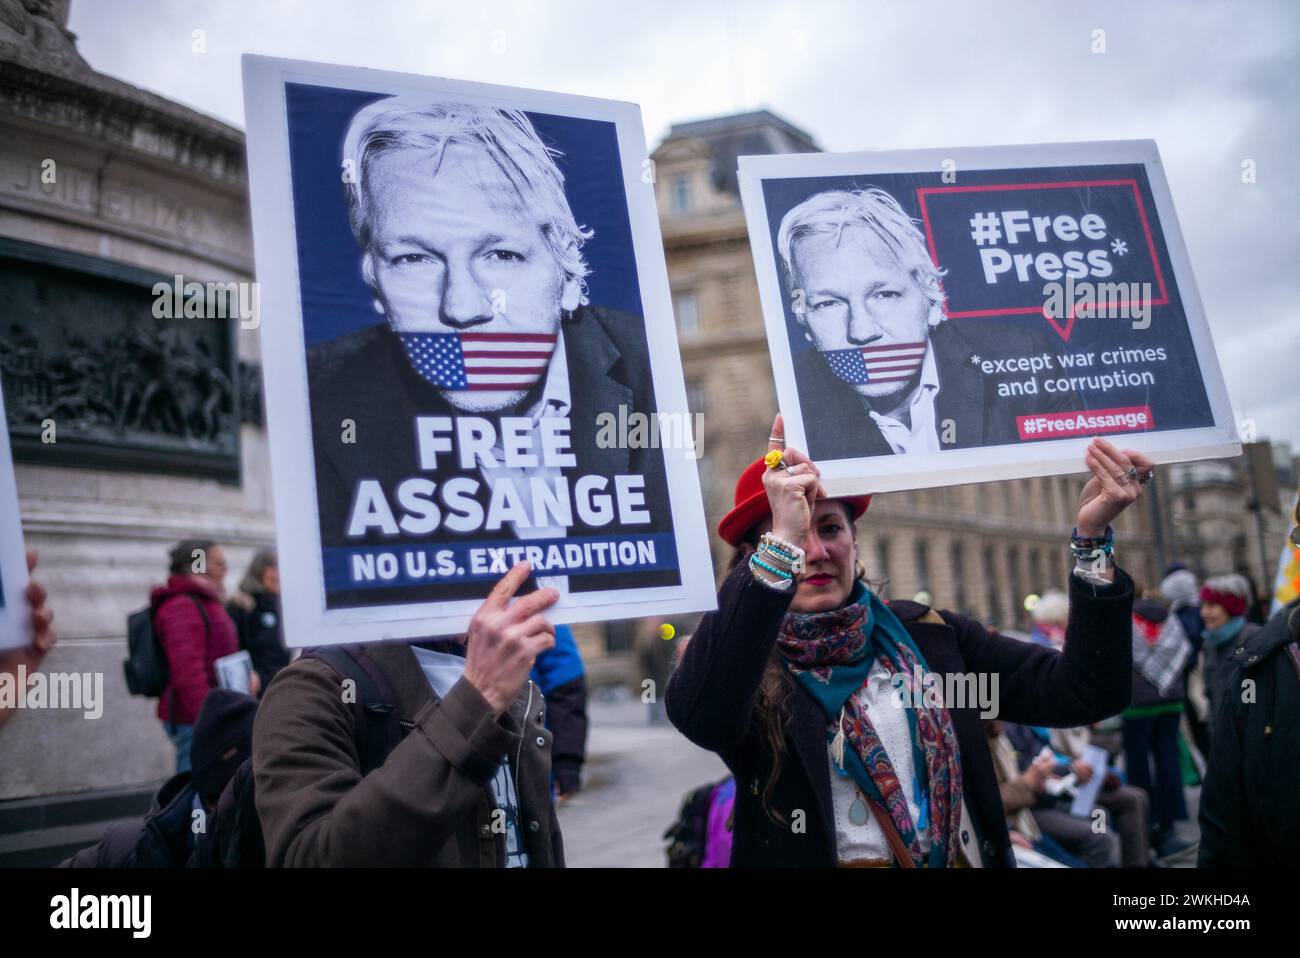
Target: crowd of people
(456, 751)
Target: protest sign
(15, 616)
(945, 316)
(469, 354)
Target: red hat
(1234, 605)
(751, 506)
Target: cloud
(1213, 83)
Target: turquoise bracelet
(772, 569)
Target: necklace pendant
(858, 812)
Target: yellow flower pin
(773, 459)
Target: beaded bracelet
(1091, 548)
(781, 552)
(784, 580)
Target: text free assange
(531, 502)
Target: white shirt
(921, 436)
(443, 670)
(884, 707)
(555, 400)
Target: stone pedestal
(95, 168)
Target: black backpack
(687, 837)
(233, 838)
(146, 664)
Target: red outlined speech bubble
(928, 195)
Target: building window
(882, 564)
(695, 395)
(686, 307)
(682, 200)
(992, 591)
(958, 558)
(619, 635)
(922, 566)
(1015, 584)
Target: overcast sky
(1214, 83)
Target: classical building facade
(131, 430)
(1233, 515)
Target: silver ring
(779, 439)
(1143, 480)
(1132, 472)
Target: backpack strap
(374, 709)
(203, 614)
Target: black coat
(710, 699)
(1248, 803)
(162, 839)
(839, 426)
(261, 634)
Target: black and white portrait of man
(467, 242)
(887, 371)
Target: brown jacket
(430, 803)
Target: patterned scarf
(831, 655)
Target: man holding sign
(467, 784)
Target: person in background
(1153, 719)
(1096, 849)
(1126, 805)
(194, 631)
(1181, 590)
(1224, 601)
(255, 609)
(560, 675)
(29, 657)
(1248, 805)
(1021, 791)
(465, 779)
(167, 836)
(1051, 613)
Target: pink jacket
(191, 647)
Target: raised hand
(792, 492)
(505, 637)
(1117, 480)
(43, 638)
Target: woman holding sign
(853, 727)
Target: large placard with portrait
(937, 317)
(469, 354)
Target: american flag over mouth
(506, 362)
(897, 362)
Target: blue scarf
(831, 655)
(1226, 632)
